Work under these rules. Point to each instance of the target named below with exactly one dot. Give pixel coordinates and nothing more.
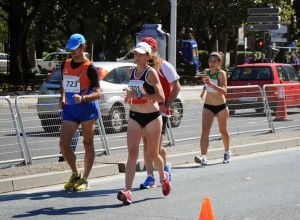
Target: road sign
(263, 27)
(263, 19)
(262, 11)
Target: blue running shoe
(149, 183)
(168, 169)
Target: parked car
(53, 60)
(262, 74)
(4, 62)
(113, 79)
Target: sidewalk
(39, 175)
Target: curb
(109, 169)
(218, 153)
(41, 180)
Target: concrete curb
(40, 180)
(109, 169)
(183, 158)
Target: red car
(261, 74)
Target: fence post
(281, 110)
(267, 107)
(26, 148)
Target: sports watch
(83, 98)
(139, 94)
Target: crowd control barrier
(11, 144)
(30, 128)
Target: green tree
(3, 31)
(111, 25)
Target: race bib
(209, 89)
(71, 84)
(137, 85)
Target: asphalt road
(257, 186)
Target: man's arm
(174, 93)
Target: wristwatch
(168, 104)
(139, 94)
(83, 98)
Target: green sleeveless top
(214, 79)
(213, 76)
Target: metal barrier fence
(32, 133)
(114, 118)
(283, 102)
(11, 145)
(40, 120)
(240, 122)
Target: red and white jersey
(167, 74)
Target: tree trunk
(14, 24)
(31, 53)
(18, 23)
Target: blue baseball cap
(75, 41)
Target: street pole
(172, 43)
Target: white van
(53, 60)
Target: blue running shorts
(81, 112)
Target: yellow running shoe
(72, 181)
(81, 185)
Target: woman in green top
(214, 105)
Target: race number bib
(71, 84)
(137, 85)
(209, 89)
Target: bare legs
(68, 129)
(148, 162)
(207, 121)
(152, 132)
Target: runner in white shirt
(169, 80)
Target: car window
(291, 73)
(251, 73)
(112, 77)
(49, 57)
(62, 57)
(118, 76)
(282, 74)
(264, 74)
(122, 75)
(56, 77)
(3, 57)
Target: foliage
(3, 31)
(111, 25)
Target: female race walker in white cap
(143, 95)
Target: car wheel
(231, 110)
(260, 110)
(176, 113)
(115, 122)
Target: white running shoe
(201, 159)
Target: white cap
(143, 48)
